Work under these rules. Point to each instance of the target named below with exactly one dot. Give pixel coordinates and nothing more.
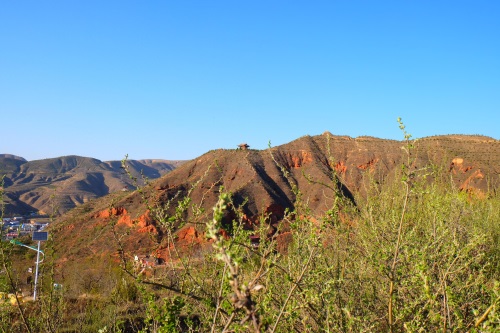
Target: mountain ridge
(264, 184)
(67, 181)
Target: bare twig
(219, 298)
(292, 289)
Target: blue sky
(174, 79)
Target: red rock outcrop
(368, 165)
(143, 222)
(457, 165)
(299, 158)
(468, 183)
(188, 241)
(110, 212)
(340, 167)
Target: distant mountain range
(56, 185)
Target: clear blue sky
(174, 79)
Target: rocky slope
(258, 183)
(57, 185)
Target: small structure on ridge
(243, 146)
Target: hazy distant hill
(59, 184)
(14, 157)
(10, 163)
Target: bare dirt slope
(257, 181)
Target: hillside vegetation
(325, 234)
